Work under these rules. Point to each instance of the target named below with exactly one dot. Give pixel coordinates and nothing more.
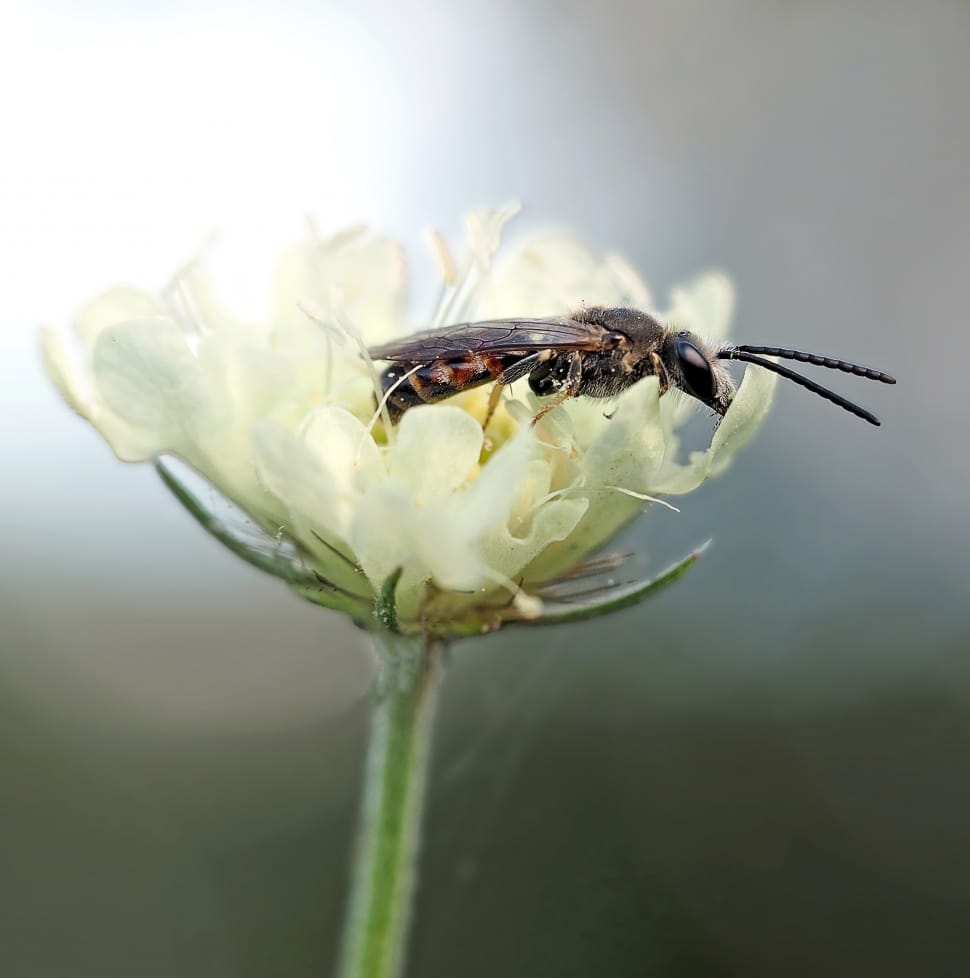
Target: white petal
(380, 533)
(556, 273)
(502, 484)
(64, 373)
(676, 478)
(194, 292)
(430, 543)
(747, 411)
(424, 518)
(248, 383)
(149, 380)
(255, 381)
(705, 306)
(362, 275)
(552, 523)
(436, 450)
(631, 445)
(295, 282)
(536, 485)
(631, 289)
(341, 446)
(484, 231)
(312, 498)
(113, 307)
(604, 514)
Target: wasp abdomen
(430, 382)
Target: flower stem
(382, 883)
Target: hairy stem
(382, 883)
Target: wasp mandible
(597, 352)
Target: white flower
(280, 417)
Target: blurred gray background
(763, 772)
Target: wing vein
(492, 336)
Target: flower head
(466, 527)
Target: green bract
(472, 528)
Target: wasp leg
(649, 366)
(493, 398)
(660, 371)
(518, 370)
(570, 386)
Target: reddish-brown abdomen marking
(467, 371)
(440, 379)
(442, 373)
(494, 364)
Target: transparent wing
(493, 336)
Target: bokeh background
(763, 772)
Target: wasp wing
(497, 336)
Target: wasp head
(692, 367)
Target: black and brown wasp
(598, 352)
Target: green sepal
(385, 609)
(554, 613)
(362, 612)
(301, 579)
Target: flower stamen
(527, 605)
(559, 493)
(446, 261)
(344, 327)
(643, 496)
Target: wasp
(597, 352)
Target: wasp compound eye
(696, 371)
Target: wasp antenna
(812, 358)
(744, 354)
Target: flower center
(501, 426)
